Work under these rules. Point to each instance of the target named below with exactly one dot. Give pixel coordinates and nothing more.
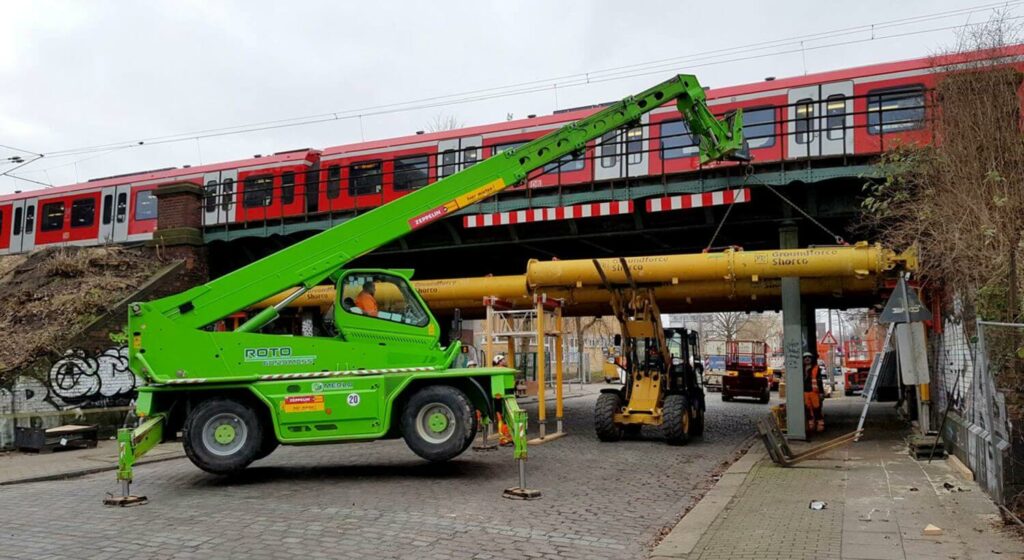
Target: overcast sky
(80, 74)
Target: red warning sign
(828, 339)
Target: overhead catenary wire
(572, 80)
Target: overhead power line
(751, 51)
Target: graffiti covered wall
(76, 385)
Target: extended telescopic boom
(309, 262)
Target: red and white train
(852, 112)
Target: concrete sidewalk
(17, 467)
(879, 500)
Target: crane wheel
(676, 422)
(269, 444)
(438, 423)
(222, 436)
(604, 417)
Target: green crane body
(358, 385)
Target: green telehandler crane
(235, 396)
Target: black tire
(726, 397)
(269, 444)
(222, 436)
(697, 422)
(767, 396)
(676, 421)
(430, 408)
(632, 431)
(604, 417)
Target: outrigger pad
(124, 501)
(517, 493)
(488, 447)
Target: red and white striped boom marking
(699, 200)
(592, 210)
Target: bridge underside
(831, 196)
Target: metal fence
(980, 377)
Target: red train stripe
(687, 201)
(579, 211)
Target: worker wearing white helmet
(499, 361)
(813, 390)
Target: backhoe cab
(663, 372)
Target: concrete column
(810, 329)
(792, 343)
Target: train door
(114, 205)
(623, 153)
(820, 120)
(23, 226)
(312, 189)
(219, 197)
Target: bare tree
(443, 121)
(727, 325)
(960, 200)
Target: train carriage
(856, 112)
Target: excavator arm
(309, 262)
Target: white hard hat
(498, 359)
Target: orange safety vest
(367, 303)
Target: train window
(804, 117)
(470, 156)
(227, 193)
(759, 127)
(835, 117)
(83, 212)
(145, 205)
(565, 164)
(122, 208)
(259, 191)
(635, 145)
(365, 178)
(108, 209)
(210, 196)
(333, 181)
(411, 172)
(895, 110)
(505, 147)
(53, 217)
(609, 149)
(448, 160)
(30, 219)
(287, 187)
(17, 221)
(676, 140)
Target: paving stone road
(378, 500)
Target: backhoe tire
(437, 423)
(608, 404)
(222, 436)
(676, 421)
(697, 422)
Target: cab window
(382, 296)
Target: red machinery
(746, 370)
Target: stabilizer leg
(516, 419)
(132, 444)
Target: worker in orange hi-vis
(366, 300)
(813, 390)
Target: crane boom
(309, 262)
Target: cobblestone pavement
(378, 500)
